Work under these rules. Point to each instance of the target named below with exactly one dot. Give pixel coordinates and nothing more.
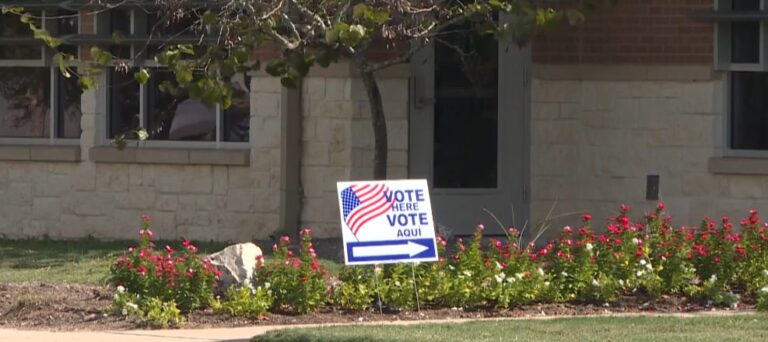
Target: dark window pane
(237, 118)
(11, 26)
(177, 116)
(163, 25)
(746, 5)
(749, 111)
(120, 28)
(67, 22)
(123, 102)
(745, 37)
(466, 111)
(69, 111)
(24, 102)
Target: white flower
(588, 246)
(635, 241)
(649, 267)
(519, 275)
(468, 273)
(765, 273)
(500, 277)
(640, 273)
(511, 280)
(564, 274)
(595, 283)
(546, 283)
(541, 271)
(643, 262)
(663, 258)
(267, 285)
(621, 282)
(451, 267)
(120, 288)
(132, 306)
(764, 289)
(397, 283)
(713, 278)
(498, 265)
(124, 312)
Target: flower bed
(714, 263)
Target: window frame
(45, 61)
(139, 20)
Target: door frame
(514, 126)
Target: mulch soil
(68, 307)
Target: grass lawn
(724, 328)
(84, 261)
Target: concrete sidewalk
(246, 333)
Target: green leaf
(359, 11)
(61, 59)
(100, 56)
(186, 49)
(332, 36)
(119, 142)
(12, 9)
(86, 82)
(142, 134)
(141, 76)
(276, 68)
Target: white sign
(386, 222)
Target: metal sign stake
(378, 291)
(415, 288)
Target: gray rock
(236, 263)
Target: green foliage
(356, 288)
(298, 283)
(245, 301)
(150, 311)
(180, 277)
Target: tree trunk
(380, 145)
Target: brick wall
(634, 32)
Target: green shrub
(245, 301)
(298, 283)
(171, 276)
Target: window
(36, 101)
(175, 116)
(167, 115)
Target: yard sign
(386, 222)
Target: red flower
(141, 270)
(190, 272)
(586, 217)
(568, 230)
(717, 259)
(168, 249)
(661, 206)
(624, 208)
(726, 219)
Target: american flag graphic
(363, 203)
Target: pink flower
(568, 230)
(168, 249)
(145, 218)
(480, 226)
(624, 208)
(285, 239)
(586, 217)
(726, 219)
(661, 206)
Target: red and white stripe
(373, 204)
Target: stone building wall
(597, 135)
(338, 141)
(98, 191)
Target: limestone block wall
(206, 199)
(338, 141)
(595, 141)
